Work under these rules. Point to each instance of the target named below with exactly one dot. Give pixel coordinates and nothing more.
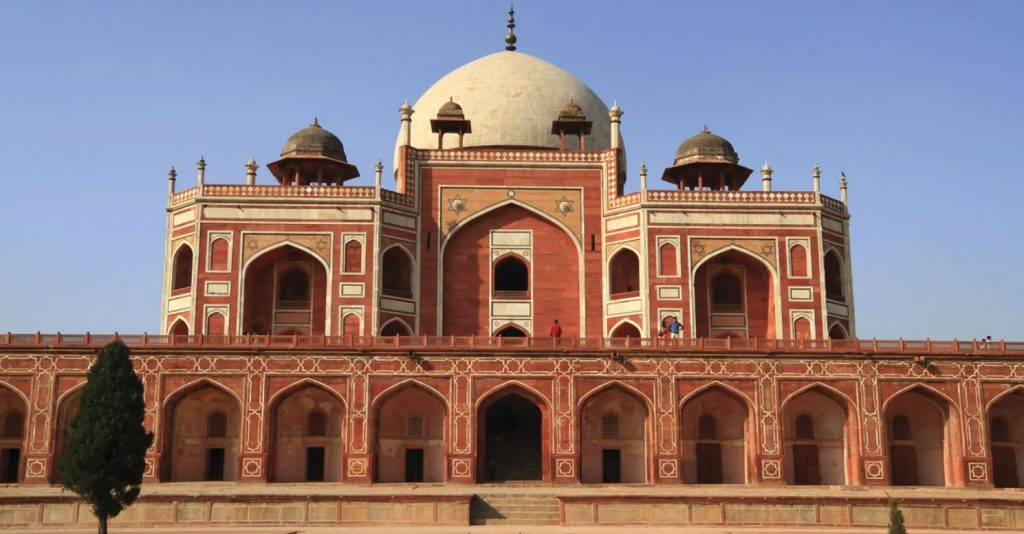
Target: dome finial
(510, 37)
(316, 123)
(706, 130)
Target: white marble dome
(511, 98)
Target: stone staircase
(513, 509)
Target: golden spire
(510, 37)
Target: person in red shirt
(556, 329)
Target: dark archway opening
(511, 278)
(626, 330)
(396, 273)
(182, 274)
(833, 276)
(512, 441)
(395, 328)
(624, 274)
(510, 331)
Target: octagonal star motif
(321, 243)
(563, 206)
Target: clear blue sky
(918, 102)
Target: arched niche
(1006, 439)
(625, 329)
(202, 426)
(181, 268)
(409, 427)
(67, 408)
(668, 261)
(798, 261)
(13, 431)
(835, 276)
(624, 274)
(396, 272)
(734, 296)
(285, 291)
(917, 423)
(614, 438)
(511, 277)
(714, 425)
(219, 254)
(816, 433)
(307, 435)
(395, 327)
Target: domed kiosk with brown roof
(313, 155)
(706, 161)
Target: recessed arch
(510, 275)
(512, 419)
(835, 275)
(837, 328)
(295, 454)
(189, 451)
(216, 323)
(1009, 391)
(926, 457)
(263, 311)
(1004, 423)
(798, 261)
(758, 314)
(724, 457)
(352, 324)
(624, 272)
(396, 326)
(621, 455)
(626, 328)
(511, 202)
(734, 248)
(924, 388)
(510, 330)
(401, 455)
(408, 383)
(220, 253)
(179, 328)
(182, 267)
(830, 456)
(13, 433)
(353, 251)
(66, 407)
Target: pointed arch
(220, 254)
(400, 328)
(530, 418)
(408, 383)
(288, 439)
(392, 412)
(841, 398)
(798, 261)
(624, 272)
(510, 275)
(1001, 395)
(632, 436)
(510, 387)
(734, 248)
(625, 323)
(838, 327)
(283, 244)
(932, 457)
(347, 325)
(726, 388)
(772, 307)
(510, 202)
(304, 383)
(835, 274)
(196, 385)
(353, 251)
(184, 421)
(179, 327)
(397, 271)
(182, 268)
(925, 388)
(16, 391)
(510, 328)
(725, 457)
(216, 324)
(668, 259)
(63, 406)
(647, 403)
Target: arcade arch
(511, 425)
(816, 430)
(625, 329)
(917, 425)
(624, 274)
(12, 435)
(715, 423)
(306, 435)
(613, 437)
(834, 276)
(181, 268)
(1006, 438)
(396, 272)
(409, 426)
(202, 424)
(395, 327)
(67, 408)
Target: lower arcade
(661, 416)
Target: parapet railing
(729, 197)
(276, 191)
(838, 346)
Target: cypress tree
(896, 519)
(106, 447)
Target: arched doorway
(714, 425)
(474, 285)
(1006, 436)
(734, 296)
(306, 436)
(66, 412)
(181, 270)
(834, 276)
(201, 435)
(916, 427)
(815, 434)
(285, 292)
(624, 274)
(409, 427)
(510, 436)
(12, 435)
(613, 438)
(837, 332)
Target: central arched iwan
(734, 296)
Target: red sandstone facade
(315, 331)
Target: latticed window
(1000, 429)
(804, 427)
(609, 425)
(707, 427)
(901, 428)
(14, 425)
(414, 427)
(217, 425)
(316, 423)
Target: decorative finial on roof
(510, 37)
(316, 123)
(201, 164)
(172, 174)
(706, 130)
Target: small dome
(316, 140)
(572, 110)
(705, 146)
(451, 109)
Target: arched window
(999, 429)
(626, 329)
(707, 427)
(802, 328)
(14, 425)
(804, 427)
(215, 324)
(610, 425)
(316, 423)
(353, 256)
(667, 260)
(511, 275)
(219, 254)
(293, 287)
(624, 273)
(798, 260)
(396, 276)
(180, 328)
(351, 325)
(837, 332)
(901, 428)
(414, 427)
(833, 276)
(217, 425)
(395, 328)
(510, 331)
(726, 293)
(182, 268)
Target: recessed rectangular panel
(510, 308)
(183, 302)
(395, 305)
(625, 307)
(670, 292)
(802, 294)
(510, 239)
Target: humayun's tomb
(389, 351)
